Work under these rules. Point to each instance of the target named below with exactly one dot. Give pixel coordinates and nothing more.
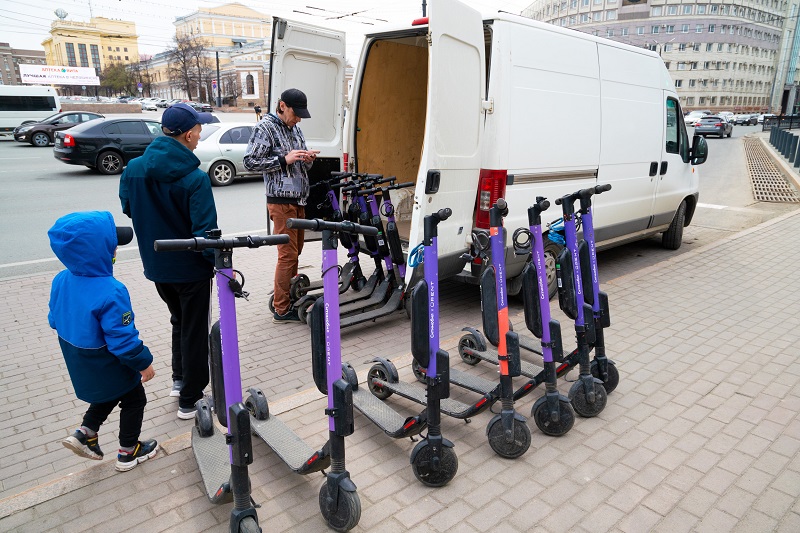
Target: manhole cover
(768, 183)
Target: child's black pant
(130, 416)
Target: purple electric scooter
(223, 476)
(338, 499)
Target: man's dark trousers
(188, 305)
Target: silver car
(221, 151)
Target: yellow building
(97, 43)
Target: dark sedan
(43, 133)
(201, 107)
(107, 144)
(713, 125)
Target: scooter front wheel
(249, 525)
(497, 438)
(348, 511)
(430, 476)
(613, 375)
(380, 372)
(541, 415)
(419, 372)
(580, 402)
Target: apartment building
(738, 55)
(10, 59)
(96, 43)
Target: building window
(597, 16)
(655, 11)
(624, 32)
(668, 47)
(654, 29)
(126, 58)
(585, 3)
(672, 10)
(681, 47)
(690, 100)
(698, 28)
(692, 83)
(250, 84)
(109, 48)
(678, 83)
(609, 33)
(117, 50)
(681, 65)
(584, 17)
(95, 56)
(611, 14)
(687, 9)
(685, 28)
(710, 47)
(712, 28)
(125, 50)
(719, 47)
(701, 9)
(83, 55)
(670, 29)
(695, 47)
(639, 30)
(71, 55)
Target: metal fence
(784, 123)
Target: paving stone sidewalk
(702, 433)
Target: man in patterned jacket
(278, 149)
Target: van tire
(673, 237)
(551, 251)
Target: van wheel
(672, 238)
(551, 251)
(221, 173)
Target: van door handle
(663, 167)
(653, 168)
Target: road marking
(121, 249)
(711, 206)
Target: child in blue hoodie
(91, 311)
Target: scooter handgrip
(269, 240)
(444, 214)
(602, 188)
(385, 180)
(317, 224)
(175, 245)
(501, 204)
(403, 185)
(544, 205)
(341, 174)
(559, 201)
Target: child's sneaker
(141, 453)
(187, 413)
(175, 391)
(83, 445)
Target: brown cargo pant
(288, 254)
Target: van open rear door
(451, 154)
(311, 58)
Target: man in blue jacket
(168, 197)
(91, 311)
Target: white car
(149, 104)
(692, 118)
(221, 151)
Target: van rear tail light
(491, 187)
(69, 140)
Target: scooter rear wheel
(418, 371)
(580, 403)
(348, 512)
(510, 450)
(378, 371)
(613, 375)
(203, 419)
(271, 303)
(426, 474)
(298, 287)
(303, 310)
(468, 341)
(541, 415)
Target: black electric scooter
(338, 499)
(223, 458)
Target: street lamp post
(219, 83)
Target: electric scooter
(338, 499)
(223, 476)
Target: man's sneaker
(176, 389)
(141, 453)
(290, 316)
(84, 446)
(186, 413)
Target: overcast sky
(27, 22)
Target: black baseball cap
(180, 118)
(296, 99)
(124, 235)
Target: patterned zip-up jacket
(269, 144)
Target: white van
(476, 108)
(26, 103)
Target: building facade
(10, 58)
(95, 44)
(737, 55)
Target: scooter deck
(363, 294)
(448, 406)
(473, 383)
(290, 448)
(376, 298)
(213, 460)
(386, 418)
(529, 370)
(391, 305)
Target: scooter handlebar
(197, 244)
(367, 192)
(443, 214)
(584, 194)
(316, 224)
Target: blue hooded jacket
(91, 311)
(168, 197)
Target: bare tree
(188, 65)
(231, 87)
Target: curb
(787, 170)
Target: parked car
(714, 125)
(150, 104)
(727, 115)
(746, 119)
(221, 151)
(765, 115)
(106, 144)
(42, 133)
(694, 117)
(201, 107)
(162, 102)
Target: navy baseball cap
(180, 118)
(296, 99)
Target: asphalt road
(35, 189)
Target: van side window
(673, 130)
